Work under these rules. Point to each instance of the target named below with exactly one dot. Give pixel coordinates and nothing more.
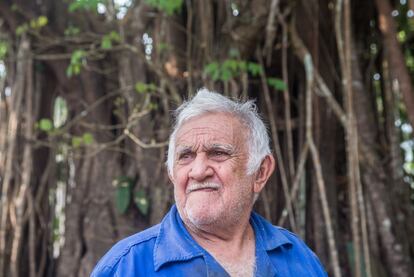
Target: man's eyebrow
(183, 148)
(216, 146)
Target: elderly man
(218, 161)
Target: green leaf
(122, 197)
(152, 106)
(22, 29)
(230, 65)
(87, 5)
(230, 68)
(106, 43)
(216, 75)
(45, 124)
(402, 36)
(276, 83)
(76, 141)
(242, 66)
(41, 21)
(123, 186)
(152, 87)
(87, 138)
(69, 71)
(210, 68)
(409, 167)
(254, 68)
(213, 70)
(114, 36)
(140, 87)
(141, 201)
(77, 59)
(71, 31)
(4, 47)
(108, 39)
(167, 6)
(225, 74)
(77, 56)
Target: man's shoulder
(286, 236)
(276, 236)
(290, 235)
(294, 248)
(141, 242)
(271, 230)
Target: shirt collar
(173, 242)
(270, 236)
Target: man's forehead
(209, 129)
(219, 122)
(209, 135)
(215, 117)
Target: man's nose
(200, 168)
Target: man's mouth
(207, 187)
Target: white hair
(206, 101)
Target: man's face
(209, 172)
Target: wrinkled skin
(211, 186)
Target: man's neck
(232, 247)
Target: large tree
(86, 94)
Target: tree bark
(396, 58)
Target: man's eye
(185, 156)
(220, 155)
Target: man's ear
(264, 172)
(170, 176)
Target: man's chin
(201, 217)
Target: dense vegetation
(86, 91)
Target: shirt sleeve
(103, 271)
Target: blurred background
(86, 93)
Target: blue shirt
(167, 249)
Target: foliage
(117, 104)
(144, 88)
(84, 140)
(45, 124)
(141, 201)
(71, 31)
(77, 60)
(123, 186)
(85, 5)
(109, 39)
(34, 24)
(276, 83)
(404, 17)
(3, 49)
(231, 68)
(168, 6)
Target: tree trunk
(121, 78)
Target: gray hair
(206, 101)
